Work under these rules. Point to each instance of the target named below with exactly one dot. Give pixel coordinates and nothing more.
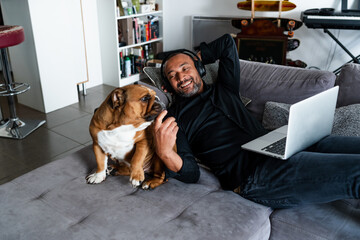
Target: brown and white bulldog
(121, 128)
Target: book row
(138, 30)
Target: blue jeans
(326, 171)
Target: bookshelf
(111, 26)
(140, 14)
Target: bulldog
(121, 128)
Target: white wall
(92, 42)
(316, 49)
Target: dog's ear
(117, 98)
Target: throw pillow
(275, 115)
(346, 119)
(349, 84)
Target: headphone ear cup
(202, 69)
(167, 86)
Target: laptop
(309, 121)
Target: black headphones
(197, 62)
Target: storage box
(145, 8)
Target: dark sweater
(214, 124)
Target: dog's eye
(146, 98)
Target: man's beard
(193, 92)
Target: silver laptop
(309, 121)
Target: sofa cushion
(349, 84)
(54, 202)
(335, 220)
(346, 119)
(266, 82)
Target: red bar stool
(13, 127)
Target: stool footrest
(17, 129)
(13, 89)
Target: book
(154, 29)
(127, 30)
(136, 29)
(148, 31)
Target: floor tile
(40, 146)
(77, 130)
(62, 116)
(90, 102)
(75, 149)
(105, 89)
(65, 132)
(10, 167)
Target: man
(210, 123)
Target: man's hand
(165, 134)
(165, 139)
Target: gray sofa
(54, 201)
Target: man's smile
(186, 84)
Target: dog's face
(135, 104)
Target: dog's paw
(151, 184)
(135, 183)
(145, 186)
(96, 178)
(136, 178)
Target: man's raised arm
(166, 134)
(223, 49)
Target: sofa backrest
(266, 82)
(349, 84)
(262, 82)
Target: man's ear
(117, 98)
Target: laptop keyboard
(277, 147)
